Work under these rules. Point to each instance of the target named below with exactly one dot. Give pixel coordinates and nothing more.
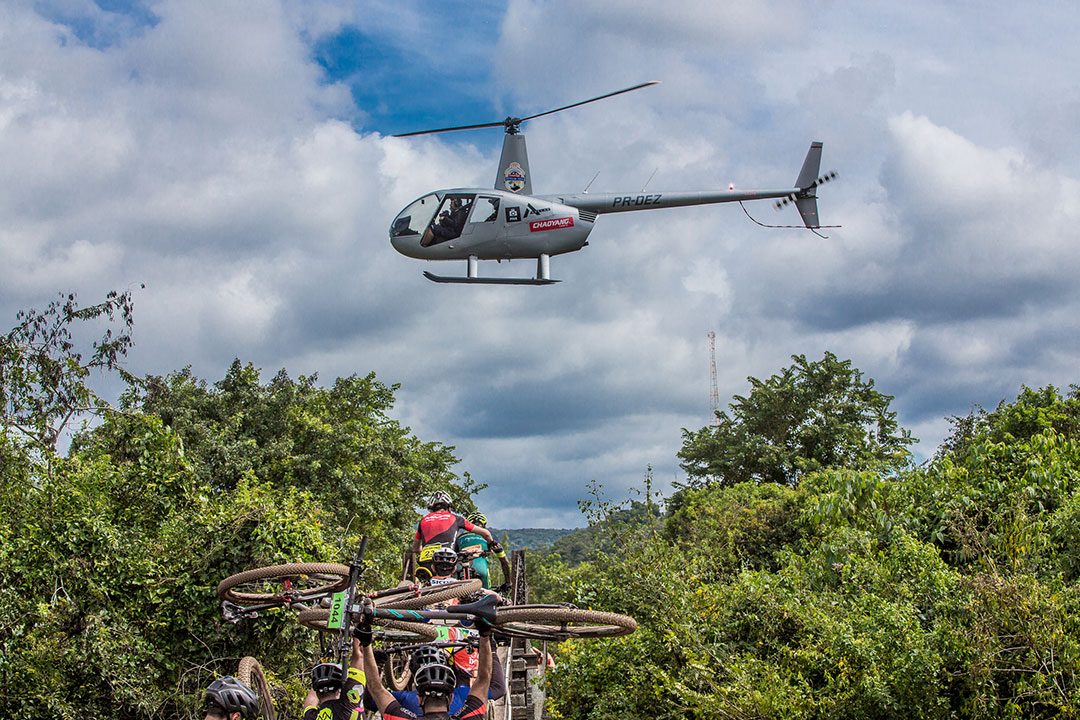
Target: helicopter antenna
(512, 124)
(649, 180)
(586, 190)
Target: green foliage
(533, 538)
(110, 556)
(811, 415)
(942, 591)
(336, 443)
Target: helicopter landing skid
(488, 280)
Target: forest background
(806, 568)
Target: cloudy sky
(235, 158)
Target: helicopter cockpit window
(486, 210)
(449, 221)
(414, 219)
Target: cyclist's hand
(483, 627)
(495, 546)
(363, 633)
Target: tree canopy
(110, 553)
(809, 416)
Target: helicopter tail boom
(803, 195)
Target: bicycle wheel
(284, 583)
(397, 672)
(385, 630)
(251, 674)
(428, 595)
(559, 623)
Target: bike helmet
(477, 518)
(438, 499)
(443, 561)
(435, 679)
(231, 695)
(327, 677)
(428, 655)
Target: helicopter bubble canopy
(415, 218)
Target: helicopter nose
(407, 245)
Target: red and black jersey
(441, 527)
(474, 709)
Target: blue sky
(236, 159)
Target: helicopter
(508, 222)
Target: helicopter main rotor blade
(501, 123)
(510, 124)
(586, 102)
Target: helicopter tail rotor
(805, 196)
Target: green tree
(337, 443)
(111, 552)
(44, 375)
(809, 416)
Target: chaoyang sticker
(514, 177)
(552, 224)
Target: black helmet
(231, 695)
(428, 655)
(477, 518)
(327, 677)
(443, 561)
(435, 679)
(440, 498)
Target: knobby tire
(559, 623)
(265, 584)
(388, 630)
(430, 595)
(251, 674)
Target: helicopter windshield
(414, 219)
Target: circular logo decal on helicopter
(515, 177)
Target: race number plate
(337, 612)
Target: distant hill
(533, 538)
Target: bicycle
(251, 674)
(535, 622)
(328, 586)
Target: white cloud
(206, 156)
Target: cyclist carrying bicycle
(440, 528)
(229, 699)
(471, 542)
(333, 696)
(435, 683)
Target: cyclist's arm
(482, 681)
(374, 685)
(504, 563)
(356, 660)
(484, 533)
(311, 701)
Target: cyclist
(229, 699)
(435, 685)
(333, 696)
(465, 662)
(473, 542)
(440, 528)
(443, 563)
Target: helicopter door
(449, 221)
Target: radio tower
(714, 391)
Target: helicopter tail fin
(807, 183)
(810, 167)
(806, 201)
